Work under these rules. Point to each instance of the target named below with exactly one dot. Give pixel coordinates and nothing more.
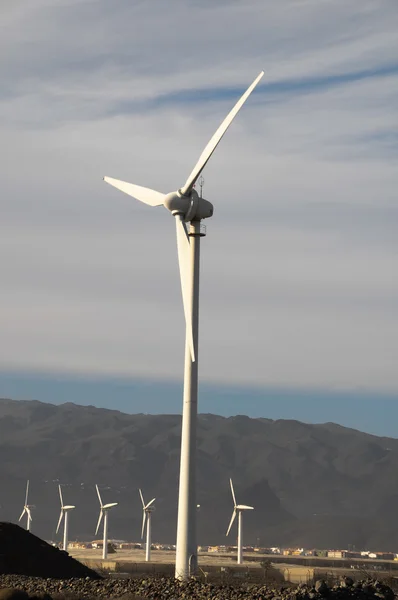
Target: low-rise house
(80, 545)
(342, 554)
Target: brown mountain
(311, 485)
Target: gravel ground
(171, 589)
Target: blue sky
(371, 412)
(299, 289)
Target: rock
(368, 589)
(13, 594)
(357, 585)
(321, 587)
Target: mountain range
(323, 486)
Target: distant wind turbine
(64, 514)
(238, 510)
(104, 513)
(27, 509)
(147, 510)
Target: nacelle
(204, 209)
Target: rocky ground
(171, 589)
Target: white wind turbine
(65, 509)
(104, 513)
(187, 207)
(147, 510)
(238, 510)
(27, 509)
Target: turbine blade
(142, 498)
(99, 495)
(27, 492)
(212, 145)
(99, 521)
(231, 522)
(245, 507)
(29, 513)
(183, 251)
(150, 503)
(138, 192)
(232, 490)
(60, 495)
(59, 520)
(22, 514)
(144, 516)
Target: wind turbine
(238, 510)
(104, 513)
(187, 207)
(147, 510)
(27, 509)
(64, 514)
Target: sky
(299, 286)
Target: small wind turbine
(27, 509)
(238, 510)
(104, 513)
(64, 514)
(147, 510)
(188, 207)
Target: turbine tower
(187, 207)
(27, 509)
(65, 509)
(147, 510)
(104, 513)
(238, 510)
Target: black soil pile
(22, 553)
(171, 589)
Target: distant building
(219, 549)
(342, 554)
(337, 553)
(382, 555)
(293, 552)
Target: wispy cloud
(299, 285)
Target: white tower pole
(105, 542)
(148, 537)
(186, 550)
(27, 521)
(239, 537)
(66, 524)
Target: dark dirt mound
(22, 553)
